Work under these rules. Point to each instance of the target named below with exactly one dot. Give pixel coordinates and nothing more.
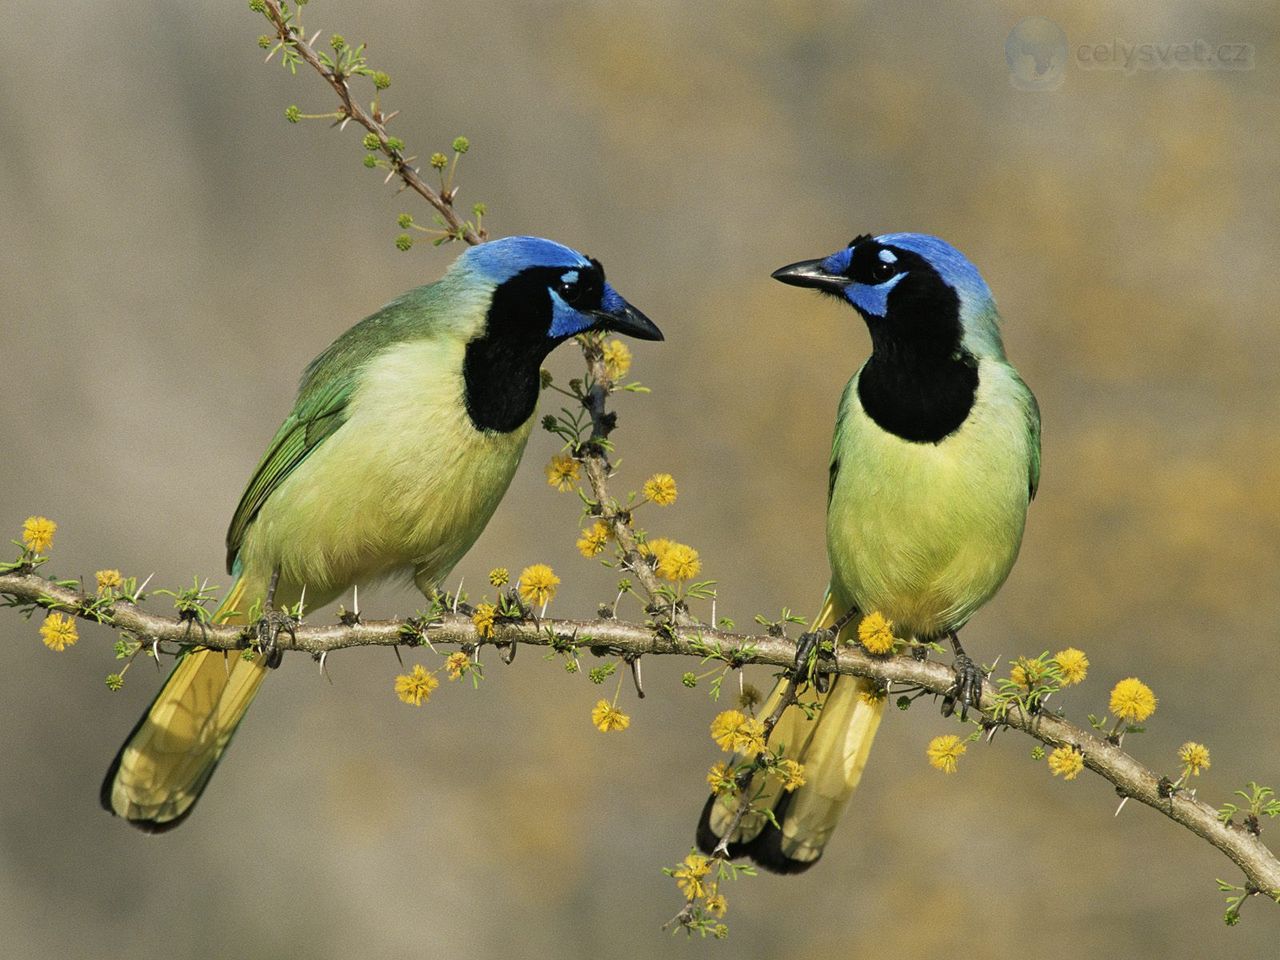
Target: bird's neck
(916, 390)
(500, 382)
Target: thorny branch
(375, 122)
(679, 634)
(613, 637)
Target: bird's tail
(833, 750)
(165, 763)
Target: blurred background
(175, 252)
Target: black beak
(809, 273)
(628, 321)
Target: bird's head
(543, 293)
(911, 289)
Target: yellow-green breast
(925, 533)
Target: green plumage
(382, 469)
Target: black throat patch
(919, 383)
(502, 366)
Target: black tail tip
(765, 849)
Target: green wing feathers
(321, 409)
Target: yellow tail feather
(833, 750)
(163, 767)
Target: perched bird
(935, 459)
(405, 435)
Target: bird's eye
(880, 272)
(569, 290)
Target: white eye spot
(887, 256)
(571, 277)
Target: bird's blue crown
(499, 260)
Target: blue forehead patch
(500, 260)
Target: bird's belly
(382, 498)
(929, 533)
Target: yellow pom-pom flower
(59, 632)
(1073, 665)
(563, 472)
(734, 730)
(656, 548)
(716, 904)
(415, 688)
(457, 664)
(1194, 756)
(724, 726)
(37, 534)
(1066, 762)
(499, 576)
(792, 774)
(1132, 700)
(945, 751)
(679, 562)
(108, 580)
(1026, 673)
(873, 695)
(606, 717)
(875, 633)
(720, 778)
(483, 619)
(617, 359)
(593, 539)
(538, 584)
(661, 489)
(689, 875)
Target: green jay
(935, 460)
(404, 437)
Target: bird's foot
(967, 689)
(267, 629)
(809, 650)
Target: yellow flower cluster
(37, 534)
(717, 905)
(457, 663)
(606, 717)
(108, 580)
(1066, 762)
(617, 359)
(875, 633)
(734, 730)
(499, 576)
(679, 562)
(944, 751)
(483, 619)
(1026, 673)
(661, 489)
(538, 584)
(1132, 700)
(720, 778)
(1194, 756)
(873, 695)
(1073, 664)
(791, 773)
(59, 632)
(415, 688)
(562, 472)
(691, 875)
(593, 539)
